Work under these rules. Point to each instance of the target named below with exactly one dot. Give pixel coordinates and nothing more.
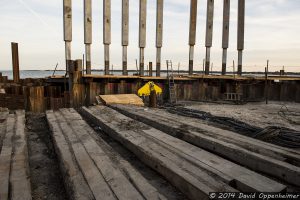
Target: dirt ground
(257, 114)
(46, 179)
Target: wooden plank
(75, 183)
(131, 99)
(190, 179)
(244, 179)
(121, 186)
(3, 121)
(204, 137)
(92, 175)
(136, 178)
(19, 178)
(258, 146)
(5, 158)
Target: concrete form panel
(88, 21)
(241, 24)
(125, 22)
(67, 20)
(226, 22)
(142, 23)
(107, 22)
(209, 23)
(159, 23)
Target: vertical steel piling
(106, 33)
(142, 33)
(225, 38)
(209, 33)
(192, 34)
(241, 34)
(159, 33)
(125, 34)
(88, 33)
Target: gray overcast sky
(272, 32)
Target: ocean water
(47, 73)
(43, 74)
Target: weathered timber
(88, 168)
(36, 99)
(14, 172)
(142, 184)
(15, 62)
(74, 181)
(262, 157)
(244, 179)
(3, 123)
(19, 176)
(119, 184)
(190, 179)
(86, 151)
(5, 157)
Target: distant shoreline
(163, 71)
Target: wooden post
(150, 69)
(266, 83)
(37, 100)
(78, 87)
(153, 99)
(15, 62)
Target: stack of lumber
(88, 171)
(129, 99)
(278, 162)
(193, 170)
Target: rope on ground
(276, 135)
(286, 114)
